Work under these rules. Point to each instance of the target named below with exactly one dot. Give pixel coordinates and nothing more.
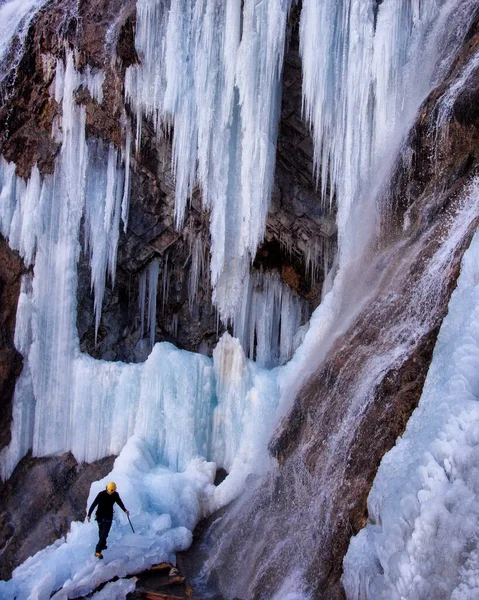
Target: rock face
(295, 525)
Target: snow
(164, 506)
(421, 538)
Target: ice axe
(130, 523)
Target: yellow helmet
(111, 487)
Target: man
(104, 514)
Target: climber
(104, 514)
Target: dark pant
(103, 531)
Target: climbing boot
(99, 555)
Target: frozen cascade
(366, 69)
(61, 387)
(421, 539)
(160, 412)
(43, 219)
(204, 64)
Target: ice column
(42, 220)
(213, 69)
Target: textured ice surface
(117, 590)
(421, 540)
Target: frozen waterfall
(210, 71)
(367, 67)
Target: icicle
(104, 190)
(153, 272)
(165, 283)
(126, 191)
(142, 301)
(198, 270)
(94, 81)
(269, 319)
(173, 328)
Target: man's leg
(98, 546)
(104, 530)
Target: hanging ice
(213, 69)
(367, 66)
(42, 220)
(269, 319)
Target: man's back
(105, 502)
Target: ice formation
(267, 322)
(204, 65)
(421, 539)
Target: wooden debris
(160, 567)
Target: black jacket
(105, 502)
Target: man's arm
(120, 503)
(93, 506)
